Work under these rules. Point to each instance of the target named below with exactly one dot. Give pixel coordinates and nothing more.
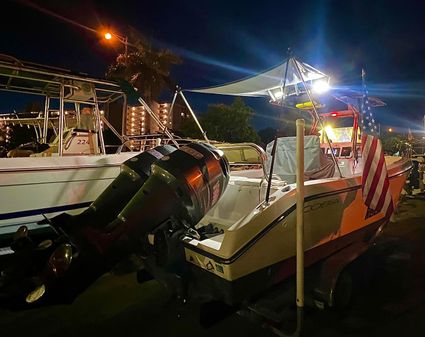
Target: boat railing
(245, 156)
(149, 141)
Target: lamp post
(123, 39)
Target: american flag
(375, 182)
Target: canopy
(270, 82)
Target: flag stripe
(370, 165)
(383, 196)
(379, 189)
(375, 182)
(376, 179)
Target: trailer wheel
(343, 291)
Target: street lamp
(123, 39)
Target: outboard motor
(134, 172)
(183, 186)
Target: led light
(320, 87)
(330, 132)
(278, 94)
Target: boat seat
(19, 153)
(76, 142)
(251, 173)
(241, 196)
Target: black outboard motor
(134, 172)
(183, 185)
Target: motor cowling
(134, 173)
(183, 186)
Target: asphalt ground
(389, 299)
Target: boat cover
(316, 164)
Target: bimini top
(270, 82)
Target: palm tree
(146, 68)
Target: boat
(217, 224)
(254, 249)
(69, 163)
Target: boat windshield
(244, 156)
(339, 128)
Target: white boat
(31, 188)
(245, 244)
(41, 179)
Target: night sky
(221, 41)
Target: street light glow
(390, 130)
(108, 36)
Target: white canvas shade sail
(268, 83)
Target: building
(140, 123)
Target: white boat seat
(252, 173)
(241, 196)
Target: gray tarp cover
(316, 164)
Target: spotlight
(321, 86)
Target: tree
(146, 68)
(229, 123)
(267, 135)
(392, 143)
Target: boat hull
(31, 188)
(335, 218)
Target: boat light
(278, 94)
(320, 87)
(330, 132)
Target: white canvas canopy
(270, 82)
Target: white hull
(33, 187)
(334, 209)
